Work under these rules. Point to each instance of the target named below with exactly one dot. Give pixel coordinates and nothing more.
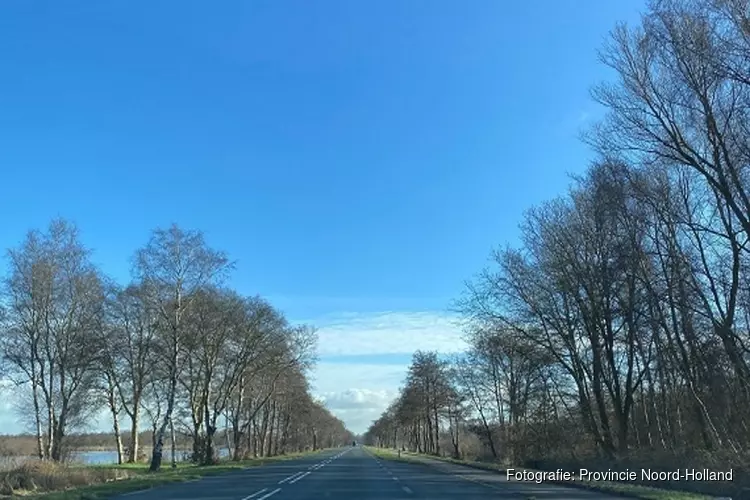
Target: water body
(103, 457)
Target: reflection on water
(102, 457)
(110, 456)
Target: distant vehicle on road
(354, 443)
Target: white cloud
(358, 399)
(388, 333)
(329, 378)
(358, 393)
(359, 407)
(358, 421)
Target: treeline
(174, 349)
(617, 332)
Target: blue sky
(358, 158)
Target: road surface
(352, 474)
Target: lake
(101, 457)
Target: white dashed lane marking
(255, 494)
(291, 479)
(269, 494)
(288, 478)
(298, 478)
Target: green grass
(389, 454)
(141, 482)
(622, 489)
(139, 477)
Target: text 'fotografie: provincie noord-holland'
(626, 475)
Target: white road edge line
(407, 489)
(255, 494)
(298, 478)
(269, 494)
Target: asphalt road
(352, 474)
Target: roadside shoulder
(613, 488)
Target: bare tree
(618, 331)
(131, 347)
(279, 355)
(81, 344)
(173, 267)
(682, 103)
(56, 314)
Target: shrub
(41, 476)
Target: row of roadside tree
(174, 349)
(616, 333)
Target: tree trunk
(237, 438)
(38, 422)
(158, 451)
(133, 452)
(112, 403)
(490, 437)
(252, 438)
(236, 433)
(198, 445)
(272, 420)
(210, 431)
(230, 451)
(173, 440)
(437, 431)
(118, 438)
(156, 454)
(50, 429)
(59, 433)
(154, 434)
(454, 435)
(263, 434)
(116, 428)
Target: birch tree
(173, 267)
(56, 311)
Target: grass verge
(49, 481)
(613, 488)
